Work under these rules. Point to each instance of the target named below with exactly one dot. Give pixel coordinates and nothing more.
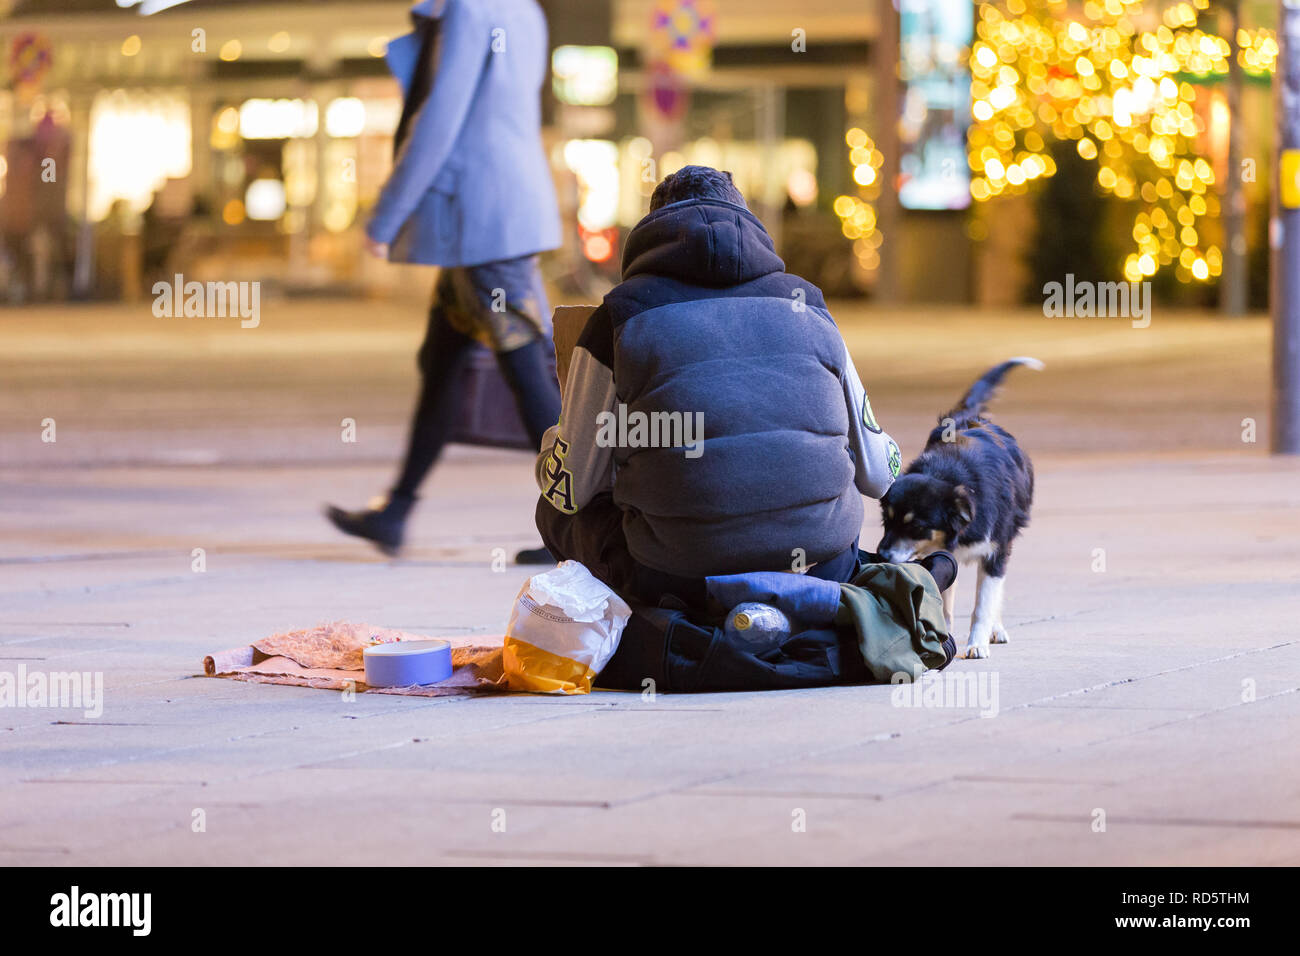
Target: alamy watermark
(947, 690)
(208, 300)
(74, 690)
(624, 429)
(1085, 300)
(133, 911)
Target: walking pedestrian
(470, 192)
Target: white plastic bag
(564, 628)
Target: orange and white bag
(564, 628)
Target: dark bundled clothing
(884, 626)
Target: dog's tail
(981, 393)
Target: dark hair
(696, 182)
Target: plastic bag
(564, 628)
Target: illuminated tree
(1045, 70)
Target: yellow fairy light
(1042, 73)
(857, 216)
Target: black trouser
(593, 536)
(443, 358)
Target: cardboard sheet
(567, 322)
(328, 656)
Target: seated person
(712, 421)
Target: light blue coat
(471, 183)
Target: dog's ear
(963, 506)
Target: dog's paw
(974, 651)
(999, 635)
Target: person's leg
(592, 536)
(510, 301)
(537, 396)
(842, 568)
(537, 393)
(442, 358)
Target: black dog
(968, 492)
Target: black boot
(384, 526)
(942, 567)
(949, 651)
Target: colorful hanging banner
(682, 33)
(30, 58)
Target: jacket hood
(703, 242)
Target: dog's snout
(891, 550)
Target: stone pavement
(1150, 686)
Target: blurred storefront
(247, 139)
(239, 138)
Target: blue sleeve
(464, 44)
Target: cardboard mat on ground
(328, 656)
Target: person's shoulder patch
(895, 458)
(869, 417)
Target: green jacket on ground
(897, 612)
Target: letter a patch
(559, 492)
